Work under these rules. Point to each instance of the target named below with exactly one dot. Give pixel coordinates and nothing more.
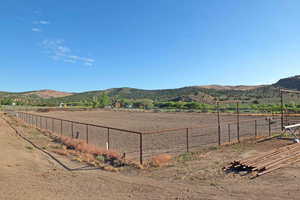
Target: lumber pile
(266, 162)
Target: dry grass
(160, 160)
(83, 147)
(62, 152)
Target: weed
(213, 148)
(188, 156)
(237, 147)
(101, 158)
(29, 147)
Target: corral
(140, 135)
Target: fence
(142, 145)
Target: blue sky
(97, 44)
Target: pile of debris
(266, 162)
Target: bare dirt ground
(171, 142)
(146, 121)
(27, 173)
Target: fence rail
(142, 145)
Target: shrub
(160, 160)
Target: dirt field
(171, 142)
(27, 173)
(146, 121)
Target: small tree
(104, 100)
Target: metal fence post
(72, 129)
(238, 121)
(255, 132)
(269, 126)
(219, 126)
(87, 133)
(187, 140)
(61, 127)
(108, 139)
(281, 101)
(141, 148)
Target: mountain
(292, 83)
(205, 94)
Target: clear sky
(80, 45)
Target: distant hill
(46, 94)
(292, 83)
(193, 93)
(228, 87)
(204, 94)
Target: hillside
(204, 94)
(292, 83)
(158, 95)
(229, 87)
(46, 94)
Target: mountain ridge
(205, 93)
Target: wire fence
(146, 144)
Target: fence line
(146, 144)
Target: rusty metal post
(87, 133)
(238, 121)
(72, 129)
(219, 124)
(108, 139)
(255, 126)
(141, 148)
(41, 122)
(187, 140)
(282, 115)
(229, 134)
(269, 126)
